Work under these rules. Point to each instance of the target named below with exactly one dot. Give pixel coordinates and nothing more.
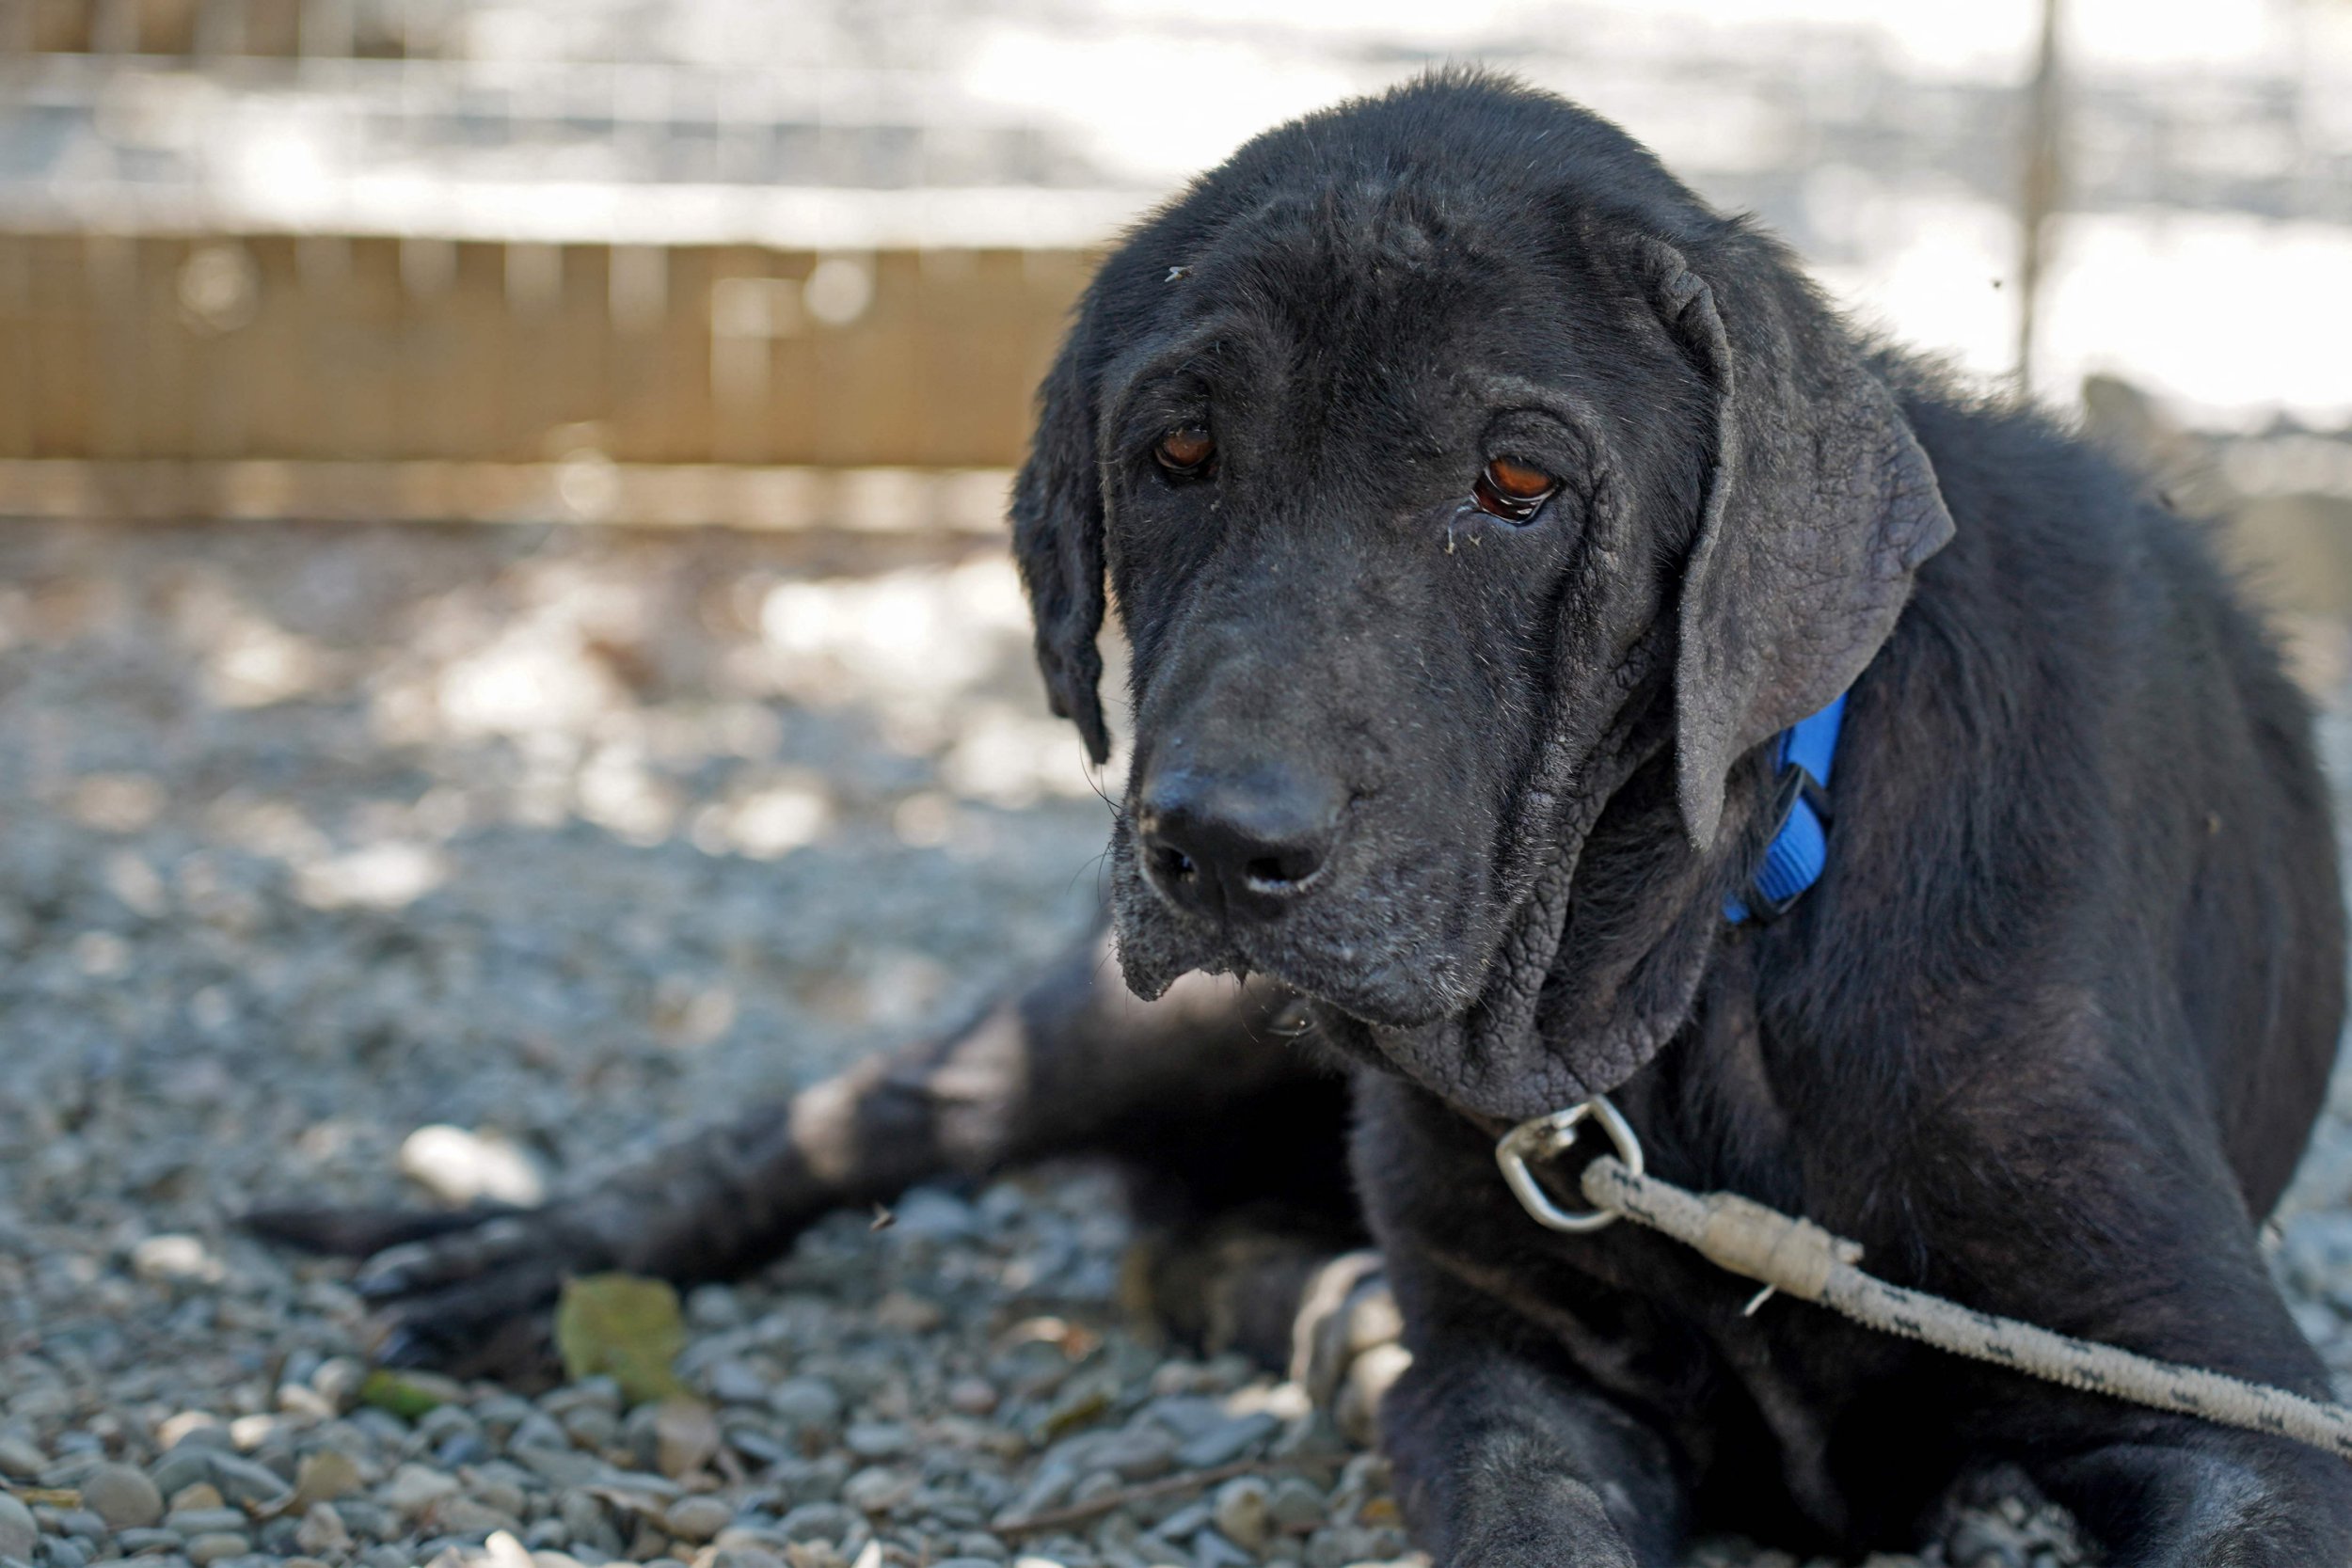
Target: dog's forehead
(1354, 243)
(1365, 289)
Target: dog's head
(1405, 441)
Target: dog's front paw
(1560, 1524)
(460, 1292)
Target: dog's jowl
(1484, 513)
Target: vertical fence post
(2041, 186)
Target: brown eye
(1186, 450)
(1512, 490)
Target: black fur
(2047, 1037)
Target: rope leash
(1799, 1258)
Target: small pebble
(745, 1557)
(1227, 1441)
(818, 1521)
(1243, 1511)
(18, 1533)
(877, 1488)
(807, 1404)
(124, 1497)
(1295, 1506)
(416, 1487)
(212, 1547)
(183, 1467)
(697, 1519)
(247, 1480)
(140, 1542)
(204, 1521)
(734, 1382)
(321, 1531)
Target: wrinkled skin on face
(1418, 757)
(1330, 594)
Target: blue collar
(1800, 847)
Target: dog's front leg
(1505, 1463)
(2175, 1493)
(1068, 1064)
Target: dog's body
(2047, 1037)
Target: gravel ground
(545, 842)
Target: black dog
(1480, 506)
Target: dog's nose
(1249, 843)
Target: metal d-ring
(1540, 1138)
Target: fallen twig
(1119, 1497)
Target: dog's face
(1396, 446)
(1353, 479)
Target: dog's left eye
(1186, 451)
(1512, 490)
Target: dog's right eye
(1512, 490)
(1186, 450)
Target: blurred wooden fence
(274, 346)
(158, 362)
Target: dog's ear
(1820, 505)
(1058, 540)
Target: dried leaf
(388, 1390)
(624, 1327)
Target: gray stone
(366, 1519)
(18, 1533)
(697, 1519)
(1189, 1415)
(204, 1521)
(745, 1557)
(414, 1488)
(982, 1545)
(806, 1403)
(322, 1530)
(818, 1522)
(82, 1522)
(1244, 1514)
(1212, 1550)
(877, 1488)
(247, 1481)
(877, 1439)
(143, 1543)
(1227, 1441)
(564, 1466)
(124, 1497)
(539, 1430)
(212, 1547)
(467, 1517)
(1138, 1453)
(183, 1467)
(1296, 1506)
(593, 1426)
(733, 1382)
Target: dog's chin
(1384, 982)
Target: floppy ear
(1820, 505)
(1058, 540)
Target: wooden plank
(319, 347)
(962, 504)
